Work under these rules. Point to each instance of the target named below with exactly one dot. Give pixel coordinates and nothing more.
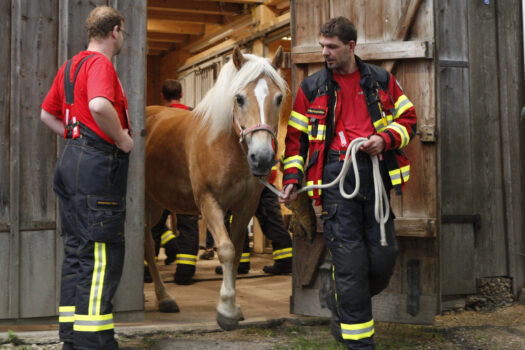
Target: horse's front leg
(166, 303)
(228, 312)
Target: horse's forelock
(215, 109)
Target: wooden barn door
(480, 101)
(382, 25)
(41, 36)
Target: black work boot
(243, 269)
(183, 280)
(279, 267)
(171, 250)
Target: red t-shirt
(180, 105)
(351, 113)
(96, 78)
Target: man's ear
(114, 32)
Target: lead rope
(381, 204)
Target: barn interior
(190, 41)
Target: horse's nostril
(253, 158)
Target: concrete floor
(259, 295)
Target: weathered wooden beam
(213, 8)
(174, 27)
(183, 16)
(406, 21)
(167, 37)
(220, 34)
(370, 51)
(159, 45)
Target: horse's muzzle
(261, 161)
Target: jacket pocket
(316, 123)
(106, 217)
(330, 226)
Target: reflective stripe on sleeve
(310, 183)
(402, 131)
(282, 253)
(186, 259)
(401, 105)
(395, 176)
(405, 172)
(93, 323)
(357, 331)
(298, 121)
(294, 162)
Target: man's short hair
(102, 20)
(171, 90)
(340, 27)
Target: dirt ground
(269, 325)
(502, 329)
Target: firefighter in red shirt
(88, 106)
(346, 100)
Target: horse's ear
(278, 58)
(238, 58)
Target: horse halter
(242, 133)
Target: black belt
(339, 156)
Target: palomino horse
(207, 161)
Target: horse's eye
(240, 100)
(279, 100)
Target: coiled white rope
(381, 203)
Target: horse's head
(257, 107)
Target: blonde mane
(215, 109)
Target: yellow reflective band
(245, 257)
(294, 162)
(274, 167)
(357, 331)
(321, 133)
(97, 281)
(166, 237)
(92, 323)
(395, 176)
(66, 314)
(310, 183)
(402, 131)
(282, 253)
(186, 259)
(405, 172)
(231, 219)
(298, 121)
(402, 104)
(380, 126)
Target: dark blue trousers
(361, 266)
(90, 182)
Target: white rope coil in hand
(381, 204)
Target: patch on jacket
(316, 111)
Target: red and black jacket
(312, 124)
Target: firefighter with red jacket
(346, 100)
(88, 106)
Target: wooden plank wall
(30, 248)
(510, 38)
(482, 151)
(457, 239)
(375, 22)
(131, 69)
(5, 70)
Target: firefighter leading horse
(207, 161)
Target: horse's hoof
(227, 323)
(168, 306)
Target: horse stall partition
(41, 36)
(460, 219)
